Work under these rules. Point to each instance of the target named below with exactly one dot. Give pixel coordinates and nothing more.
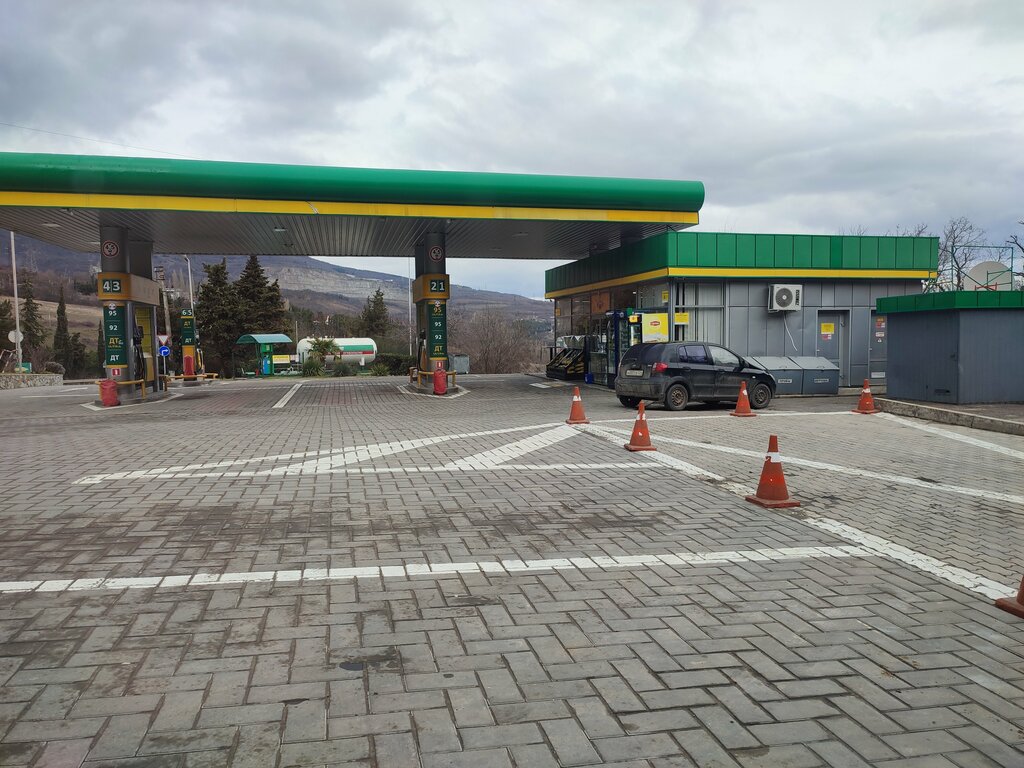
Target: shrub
(379, 369)
(312, 367)
(397, 365)
(344, 369)
(52, 367)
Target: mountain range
(305, 281)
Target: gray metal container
(458, 363)
(820, 376)
(788, 375)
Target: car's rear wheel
(629, 402)
(676, 397)
(760, 396)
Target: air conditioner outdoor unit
(783, 298)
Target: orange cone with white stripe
(640, 440)
(576, 414)
(742, 403)
(867, 402)
(1014, 606)
(772, 491)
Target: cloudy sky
(798, 115)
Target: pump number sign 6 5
(114, 332)
(437, 331)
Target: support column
(431, 291)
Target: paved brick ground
(767, 659)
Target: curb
(947, 416)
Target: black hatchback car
(677, 372)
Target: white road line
(505, 453)
(186, 470)
(877, 545)
(287, 396)
(433, 570)
(955, 436)
(913, 482)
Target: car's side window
(724, 357)
(694, 353)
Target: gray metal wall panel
(844, 294)
(828, 295)
(757, 330)
(737, 339)
(737, 293)
(861, 296)
(923, 356)
(991, 366)
(812, 295)
(758, 295)
(775, 343)
(860, 344)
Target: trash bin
(458, 363)
(820, 376)
(789, 377)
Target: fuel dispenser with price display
(130, 298)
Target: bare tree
(916, 230)
(1017, 242)
(495, 343)
(958, 250)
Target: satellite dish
(989, 276)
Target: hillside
(305, 282)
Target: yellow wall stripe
(763, 274)
(313, 207)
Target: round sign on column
(165, 351)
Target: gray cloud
(798, 116)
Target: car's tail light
(659, 367)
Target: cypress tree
(218, 316)
(260, 307)
(61, 339)
(31, 321)
(374, 321)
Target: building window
(702, 305)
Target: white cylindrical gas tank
(358, 351)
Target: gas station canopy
(206, 207)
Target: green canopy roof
(203, 178)
(263, 338)
(230, 208)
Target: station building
(758, 294)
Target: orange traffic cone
(1014, 606)
(576, 414)
(771, 490)
(743, 403)
(640, 440)
(867, 402)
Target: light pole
(191, 298)
(17, 315)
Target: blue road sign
(165, 351)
